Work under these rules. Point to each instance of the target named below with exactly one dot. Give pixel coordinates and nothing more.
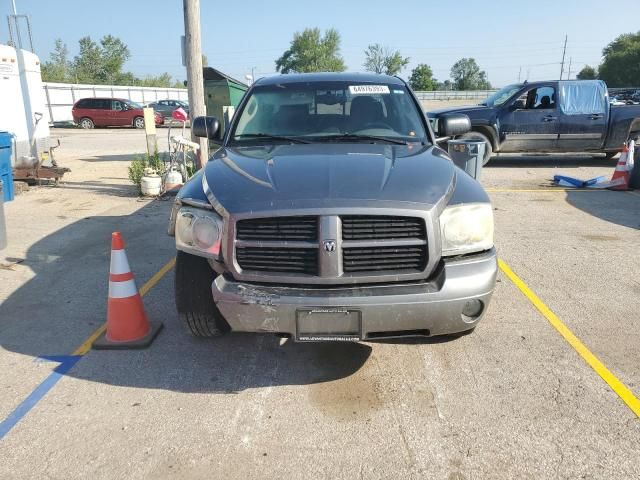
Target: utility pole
(564, 51)
(195, 82)
(519, 73)
(569, 72)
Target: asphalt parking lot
(518, 398)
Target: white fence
(454, 94)
(60, 97)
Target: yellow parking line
(616, 385)
(86, 345)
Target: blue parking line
(66, 363)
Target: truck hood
(470, 110)
(253, 179)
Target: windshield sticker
(368, 89)
(401, 92)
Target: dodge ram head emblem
(329, 245)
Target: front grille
(369, 227)
(381, 259)
(287, 260)
(331, 249)
(284, 229)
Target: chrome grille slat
(290, 260)
(359, 227)
(278, 229)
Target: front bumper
(388, 310)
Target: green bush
(142, 162)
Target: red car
(109, 112)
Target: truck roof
(329, 77)
(540, 82)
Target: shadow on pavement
(111, 189)
(548, 161)
(57, 310)
(615, 207)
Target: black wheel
(86, 123)
(138, 122)
(196, 309)
(488, 149)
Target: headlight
(466, 228)
(198, 232)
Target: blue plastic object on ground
(565, 181)
(6, 171)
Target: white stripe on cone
(124, 289)
(119, 262)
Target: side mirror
(206, 127)
(452, 124)
(518, 105)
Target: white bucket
(150, 185)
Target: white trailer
(24, 114)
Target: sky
(509, 39)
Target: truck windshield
(502, 95)
(329, 111)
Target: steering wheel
(376, 125)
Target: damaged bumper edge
(434, 307)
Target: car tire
(488, 148)
(138, 122)
(86, 123)
(195, 305)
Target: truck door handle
(549, 118)
(596, 116)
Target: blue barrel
(6, 172)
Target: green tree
(312, 52)
(380, 59)
(162, 80)
(466, 75)
(101, 64)
(620, 66)
(114, 53)
(587, 73)
(57, 69)
(422, 78)
(87, 64)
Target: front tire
(86, 123)
(488, 148)
(195, 305)
(138, 122)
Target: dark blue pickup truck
(554, 116)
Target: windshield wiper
(355, 136)
(271, 137)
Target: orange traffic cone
(620, 178)
(127, 323)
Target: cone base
(103, 344)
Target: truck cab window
(541, 98)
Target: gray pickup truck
(330, 214)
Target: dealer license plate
(328, 325)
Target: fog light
(472, 310)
